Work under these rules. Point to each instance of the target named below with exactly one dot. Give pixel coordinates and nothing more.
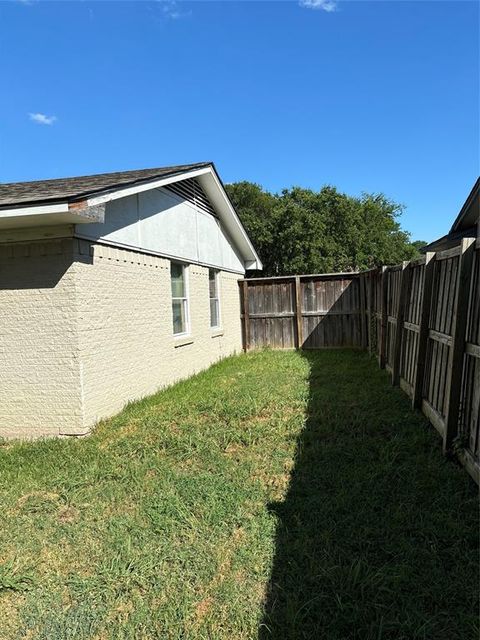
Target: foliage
(303, 231)
(419, 244)
(276, 495)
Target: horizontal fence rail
(308, 312)
(421, 319)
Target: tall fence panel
(469, 414)
(411, 326)
(421, 319)
(310, 312)
(440, 337)
(269, 313)
(330, 311)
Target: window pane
(214, 320)
(178, 284)
(212, 282)
(178, 309)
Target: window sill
(216, 333)
(182, 341)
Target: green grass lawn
(278, 495)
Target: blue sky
(366, 96)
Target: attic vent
(191, 191)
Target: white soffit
(43, 215)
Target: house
(466, 225)
(111, 287)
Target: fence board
(303, 311)
(458, 322)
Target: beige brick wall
(101, 336)
(39, 365)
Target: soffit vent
(191, 191)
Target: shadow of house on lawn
(377, 535)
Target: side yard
(280, 495)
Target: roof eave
(90, 207)
(48, 215)
(251, 259)
(474, 193)
(80, 196)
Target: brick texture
(87, 328)
(39, 365)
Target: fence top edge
(448, 253)
(394, 267)
(346, 274)
(418, 262)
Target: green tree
(418, 245)
(257, 211)
(304, 231)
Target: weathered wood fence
(421, 319)
(307, 312)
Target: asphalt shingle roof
(78, 188)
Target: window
(214, 298)
(178, 275)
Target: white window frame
(217, 298)
(185, 299)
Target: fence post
(397, 351)
(246, 315)
(298, 312)
(363, 311)
(383, 324)
(453, 384)
(370, 312)
(419, 374)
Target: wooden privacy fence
(421, 319)
(307, 312)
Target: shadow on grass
(377, 536)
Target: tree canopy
(303, 231)
(419, 244)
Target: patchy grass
(277, 495)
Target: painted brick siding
(85, 328)
(39, 366)
(126, 342)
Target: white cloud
(171, 10)
(325, 5)
(41, 118)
